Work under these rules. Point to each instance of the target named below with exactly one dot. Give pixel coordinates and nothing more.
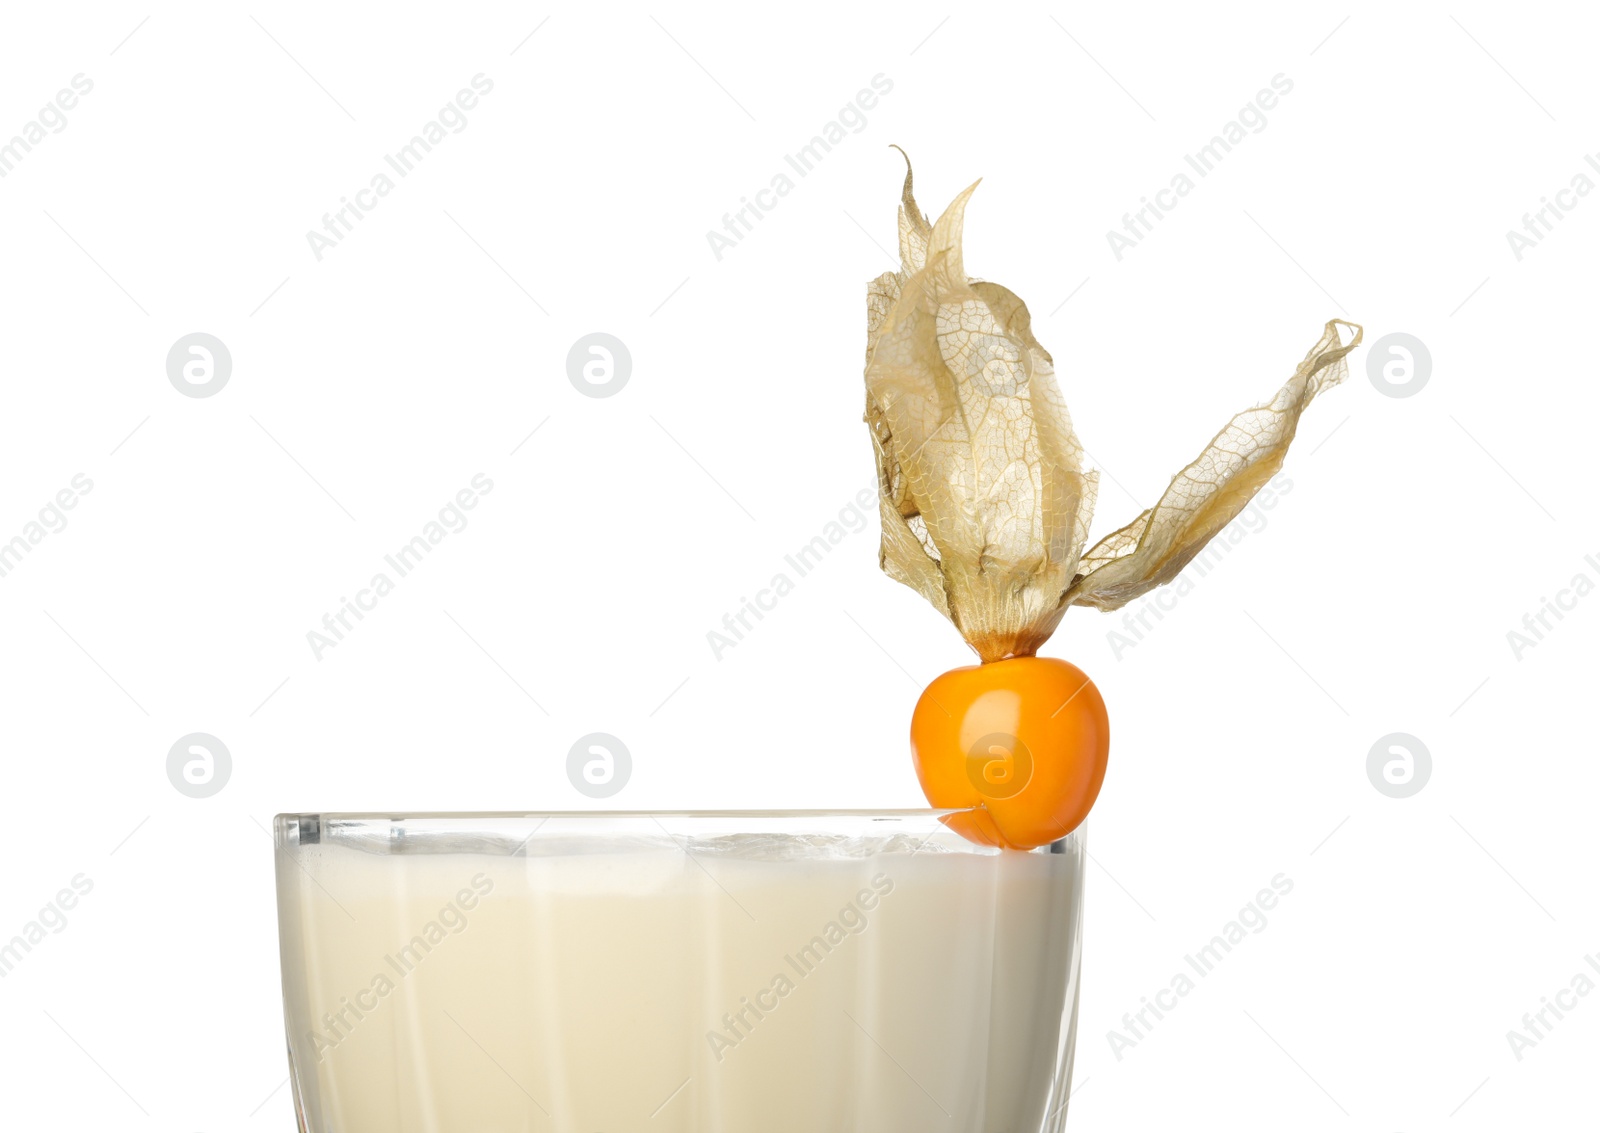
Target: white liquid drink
(813, 975)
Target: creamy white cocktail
(688, 974)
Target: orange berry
(1025, 738)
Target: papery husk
(983, 495)
(1215, 487)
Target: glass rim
(394, 815)
(455, 831)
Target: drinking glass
(758, 972)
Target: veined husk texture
(983, 494)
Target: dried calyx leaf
(982, 491)
(1206, 496)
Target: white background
(368, 387)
